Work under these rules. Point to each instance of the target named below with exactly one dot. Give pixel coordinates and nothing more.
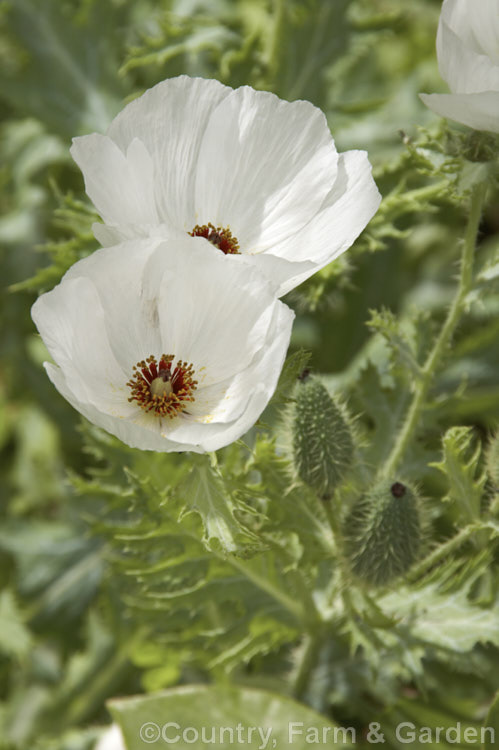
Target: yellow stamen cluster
(158, 388)
(218, 236)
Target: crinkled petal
(109, 234)
(478, 111)
(287, 273)
(249, 392)
(179, 296)
(213, 310)
(476, 23)
(352, 202)
(465, 70)
(72, 323)
(171, 119)
(119, 183)
(265, 167)
(129, 313)
(130, 432)
(227, 400)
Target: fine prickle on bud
(322, 440)
(383, 533)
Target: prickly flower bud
(383, 533)
(322, 440)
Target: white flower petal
(477, 24)
(112, 739)
(239, 159)
(119, 183)
(465, 70)
(226, 401)
(130, 314)
(265, 166)
(108, 234)
(352, 202)
(239, 300)
(71, 321)
(171, 119)
(130, 432)
(250, 391)
(288, 271)
(468, 59)
(479, 111)
(180, 297)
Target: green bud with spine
(322, 439)
(383, 533)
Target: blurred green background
(68, 67)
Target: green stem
(307, 664)
(447, 548)
(444, 337)
(265, 584)
(102, 686)
(332, 514)
(428, 191)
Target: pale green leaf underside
(215, 707)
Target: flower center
(155, 387)
(221, 238)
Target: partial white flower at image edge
(249, 172)
(111, 739)
(468, 60)
(164, 344)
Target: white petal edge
(260, 380)
(120, 184)
(226, 401)
(465, 70)
(477, 24)
(351, 204)
(239, 299)
(479, 111)
(130, 433)
(111, 739)
(265, 166)
(72, 323)
(171, 118)
(117, 274)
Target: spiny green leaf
(448, 621)
(155, 52)
(292, 510)
(384, 405)
(400, 338)
(203, 491)
(460, 464)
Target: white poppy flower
(165, 344)
(251, 173)
(468, 60)
(112, 739)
